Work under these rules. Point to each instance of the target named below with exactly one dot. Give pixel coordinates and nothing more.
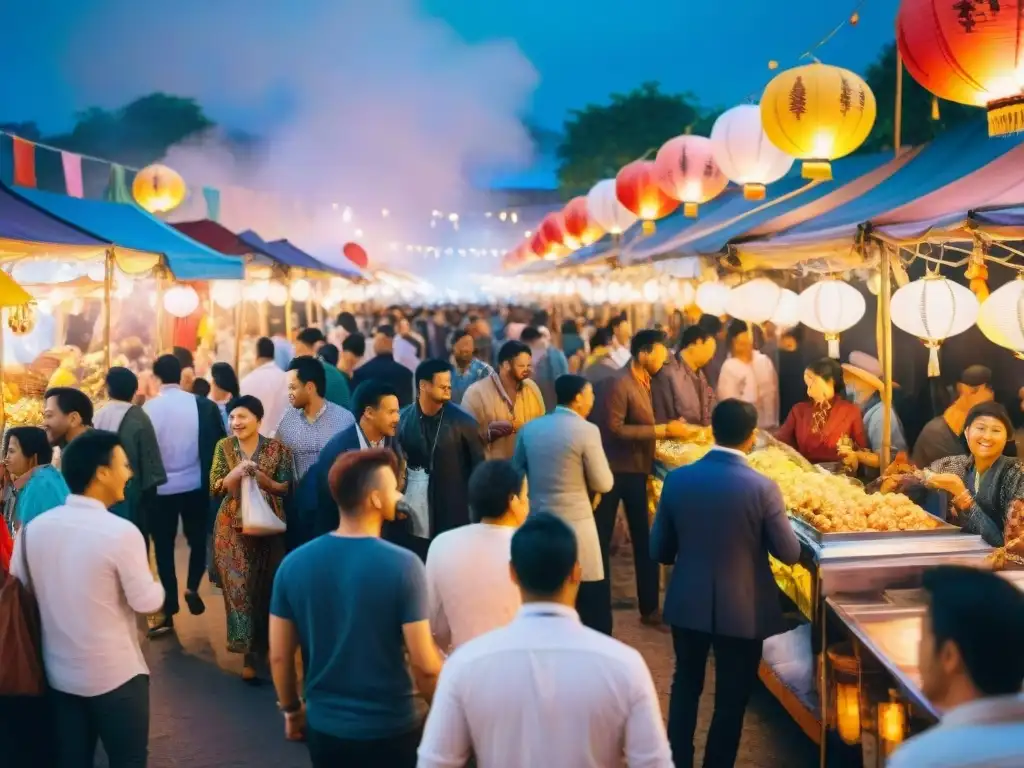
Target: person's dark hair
(184, 357)
(84, 455)
(33, 442)
(201, 387)
(351, 476)
(994, 410)
(616, 321)
(736, 327)
(264, 348)
(311, 336)
(386, 329)
(167, 368)
(711, 324)
(122, 384)
(354, 343)
(733, 422)
(251, 403)
(347, 321)
(830, 370)
(224, 377)
(976, 376)
(645, 341)
(602, 338)
(983, 615)
(544, 553)
(693, 335)
(568, 387)
(428, 369)
(539, 318)
(71, 400)
(491, 486)
(569, 328)
(457, 335)
(309, 369)
(510, 350)
(369, 394)
(530, 334)
(329, 354)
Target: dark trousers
(736, 663)
(631, 489)
(192, 508)
(594, 605)
(119, 719)
(395, 752)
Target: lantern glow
(687, 172)
(831, 307)
(755, 301)
(934, 308)
(181, 300)
(579, 224)
(638, 189)
(1001, 317)
(604, 207)
(158, 189)
(744, 153)
(712, 298)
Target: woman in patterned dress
(247, 564)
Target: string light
(384, 212)
(346, 215)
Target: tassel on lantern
(935, 108)
(977, 273)
(648, 227)
(690, 210)
(754, 192)
(1006, 116)
(833, 345)
(817, 170)
(933, 359)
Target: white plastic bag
(258, 519)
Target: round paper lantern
(817, 113)
(604, 207)
(712, 298)
(579, 224)
(787, 313)
(933, 309)
(637, 188)
(158, 189)
(181, 300)
(682, 293)
(686, 171)
(652, 291)
(277, 294)
(831, 307)
(967, 52)
(1001, 317)
(226, 294)
(754, 301)
(300, 290)
(540, 247)
(356, 254)
(256, 292)
(744, 153)
(552, 228)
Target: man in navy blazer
(717, 521)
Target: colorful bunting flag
(117, 187)
(212, 197)
(24, 163)
(72, 173)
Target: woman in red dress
(824, 427)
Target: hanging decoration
(356, 254)
(300, 290)
(977, 272)
(579, 224)
(712, 298)
(181, 300)
(542, 248)
(604, 207)
(787, 313)
(553, 230)
(686, 171)
(967, 52)
(277, 294)
(831, 307)
(744, 152)
(1001, 317)
(681, 293)
(226, 293)
(21, 319)
(755, 301)
(933, 308)
(817, 113)
(637, 188)
(256, 291)
(158, 189)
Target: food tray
(808, 531)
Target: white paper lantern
(300, 290)
(831, 307)
(226, 293)
(652, 291)
(787, 313)
(277, 294)
(181, 300)
(616, 292)
(754, 301)
(604, 207)
(744, 153)
(256, 291)
(1001, 317)
(933, 309)
(681, 293)
(712, 298)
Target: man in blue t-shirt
(354, 604)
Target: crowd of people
(422, 507)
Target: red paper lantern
(552, 228)
(356, 254)
(637, 188)
(578, 224)
(687, 172)
(968, 51)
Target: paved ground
(204, 716)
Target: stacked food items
(679, 453)
(833, 504)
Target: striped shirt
(305, 439)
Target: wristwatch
(289, 709)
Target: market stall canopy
(283, 252)
(129, 227)
(215, 236)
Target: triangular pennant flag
(117, 188)
(24, 163)
(212, 197)
(72, 174)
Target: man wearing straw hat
(864, 387)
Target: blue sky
(581, 49)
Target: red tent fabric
(213, 235)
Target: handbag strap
(23, 535)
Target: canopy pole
(288, 322)
(3, 390)
(108, 279)
(240, 315)
(884, 298)
(160, 310)
(897, 139)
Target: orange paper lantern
(968, 52)
(637, 188)
(553, 230)
(578, 223)
(158, 189)
(356, 254)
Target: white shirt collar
(547, 609)
(74, 500)
(733, 451)
(992, 709)
(169, 387)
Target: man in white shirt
(622, 333)
(750, 376)
(545, 690)
(972, 669)
(90, 575)
(471, 591)
(268, 383)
